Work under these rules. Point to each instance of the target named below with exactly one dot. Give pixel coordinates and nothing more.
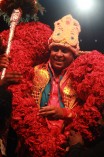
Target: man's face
(60, 57)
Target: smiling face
(60, 58)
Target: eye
(56, 49)
(64, 50)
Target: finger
(16, 76)
(15, 72)
(46, 113)
(4, 56)
(13, 75)
(46, 108)
(3, 65)
(12, 79)
(4, 60)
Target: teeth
(59, 60)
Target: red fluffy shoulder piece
(87, 77)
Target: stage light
(85, 5)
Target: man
(78, 149)
(55, 102)
(54, 96)
(6, 101)
(11, 77)
(53, 91)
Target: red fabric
(55, 125)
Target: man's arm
(77, 148)
(11, 77)
(56, 112)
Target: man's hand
(11, 78)
(75, 138)
(4, 61)
(52, 112)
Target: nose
(59, 53)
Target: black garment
(12, 142)
(7, 134)
(78, 150)
(5, 108)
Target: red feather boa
(87, 76)
(30, 46)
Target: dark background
(92, 21)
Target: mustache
(58, 59)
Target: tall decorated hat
(66, 33)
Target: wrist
(67, 113)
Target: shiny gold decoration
(67, 90)
(69, 96)
(41, 79)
